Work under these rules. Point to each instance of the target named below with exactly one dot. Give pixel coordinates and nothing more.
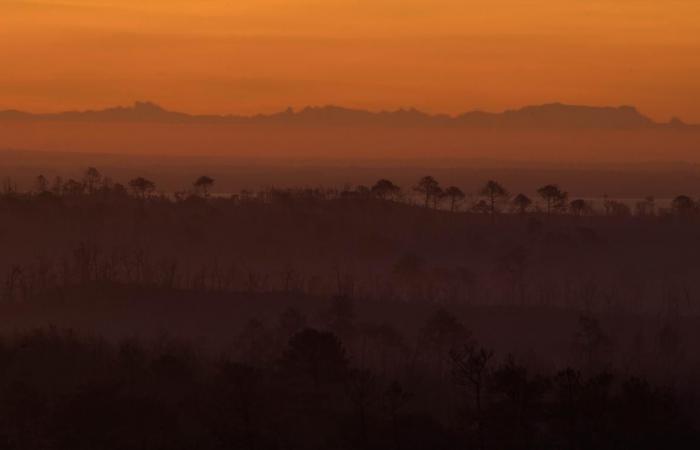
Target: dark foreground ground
(155, 368)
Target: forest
(353, 317)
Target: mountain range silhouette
(546, 116)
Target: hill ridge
(547, 115)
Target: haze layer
(249, 56)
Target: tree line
(491, 199)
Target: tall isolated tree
(385, 189)
(554, 197)
(142, 187)
(494, 193)
(203, 185)
(428, 187)
(455, 195)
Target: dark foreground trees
(61, 391)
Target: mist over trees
(379, 316)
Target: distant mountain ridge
(552, 115)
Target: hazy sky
(263, 55)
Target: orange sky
(248, 56)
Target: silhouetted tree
(455, 195)
(470, 369)
(428, 187)
(683, 205)
(494, 193)
(481, 207)
(521, 203)
(579, 207)
(91, 179)
(385, 189)
(203, 184)
(523, 396)
(554, 197)
(616, 208)
(142, 187)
